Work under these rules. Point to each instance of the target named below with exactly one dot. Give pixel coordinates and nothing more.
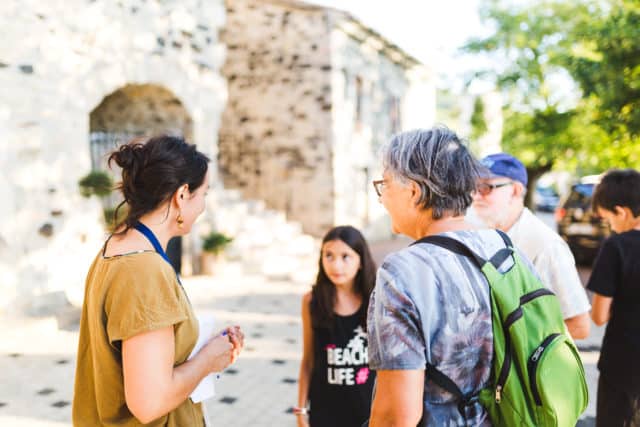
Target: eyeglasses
(378, 184)
(485, 189)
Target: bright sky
(430, 30)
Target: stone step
(238, 219)
(230, 195)
(47, 304)
(278, 267)
(264, 242)
(256, 206)
(273, 217)
(302, 245)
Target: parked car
(578, 224)
(545, 199)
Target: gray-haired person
(430, 306)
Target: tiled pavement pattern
(37, 359)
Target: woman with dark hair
(138, 327)
(334, 372)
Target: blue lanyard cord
(153, 239)
(146, 231)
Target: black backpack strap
(506, 239)
(454, 246)
(466, 402)
(460, 248)
(443, 381)
(499, 257)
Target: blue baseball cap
(505, 165)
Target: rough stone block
(58, 71)
(48, 304)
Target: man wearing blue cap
(499, 203)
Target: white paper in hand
(206, 388)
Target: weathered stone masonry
(276, 130)
(59, 60)
(312, 95)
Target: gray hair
(439, 162)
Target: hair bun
(128, 156)
(153, 169)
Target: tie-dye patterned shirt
(433, 306)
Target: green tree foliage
(448, 108)
(478, 123)
(605, 61)
(571, 74)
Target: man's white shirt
(551, 258)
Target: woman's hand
(236, 336)
(219, 352)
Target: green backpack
(537, 377)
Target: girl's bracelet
(300, 410)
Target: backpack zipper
(506, 363)
(510, 320)
(535, 294)
(534, 360)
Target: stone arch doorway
(139, 109)
(136, 110)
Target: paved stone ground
(37, 358)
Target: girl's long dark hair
(323, 292)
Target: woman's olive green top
(125, 296)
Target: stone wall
(378, 91)
(367, 94)
(146, 108)
(275, 136)
(313, 93)
(58, 61)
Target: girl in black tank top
(335, 384)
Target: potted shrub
(96, 182)
(212, 245)
(100, 184)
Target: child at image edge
(334, 373)
(615, 281)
